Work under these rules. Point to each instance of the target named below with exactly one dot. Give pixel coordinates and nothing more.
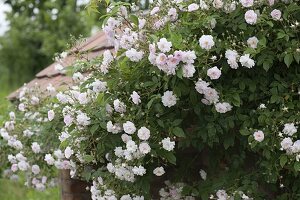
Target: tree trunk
(73, 189)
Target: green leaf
(274, 98)
(252, 86)
(134, 19)
(170, 157)
(94, 128)
(262, 41)
(236, 99)
(153, 98)
(270, 23)
(179, 73)
(243, 26)
(244, 132)
(267, 64)
(283, 160)
(176, 122)
(88, 158)
(161, 123)
(288, 59)
(297, 57)
(281, 35)
(178, 132)
(228, 141)
(242, 85)
(64, 144)
(297, 166)
(176, 39)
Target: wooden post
(73, 189)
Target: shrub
(202, 96)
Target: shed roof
(90, 47)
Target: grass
(10, 190)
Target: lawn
(10, 190)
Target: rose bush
(198, 101)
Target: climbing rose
(135, 97)
(68, 152)
(286, 143)
(35, 169)
(246, 3)
(167, 144)
(168, 99)
(51, 115)
(129, 127)
(134, 55)
(289, 129)
(35, 147)
(192, 7)
(252, 42)
(251, 17)
(246, 61)
(214, 73)
(206, 42)
(164, 45)
(143, 133)
(276, 14)
(223, 107)
(218, 4)
(159, 171)
(258, 136)
(144, 148)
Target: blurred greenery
(38, 30)
(4, 104)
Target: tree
(39, 29)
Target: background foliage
(38, 30)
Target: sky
(3, 7)
(3, 23)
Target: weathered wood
(73, 189)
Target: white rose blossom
(259, 136)
(143, 133)
(251, 17)
(135, 97)
(168, 144)
(246, 61)
(247, 3)
(164, 45)
(144, 148)
(206, 42)
(289, 129)
(68, 152)
(214, 73)
(276, 14)
(193, 7)
(129, 127)
(51, 115)
(252, 42)
(168, 99)
(159, 171)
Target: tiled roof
(90, 48)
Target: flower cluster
(26, 140)
(142, 114)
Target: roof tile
(91, 48)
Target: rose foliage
(198, 100)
